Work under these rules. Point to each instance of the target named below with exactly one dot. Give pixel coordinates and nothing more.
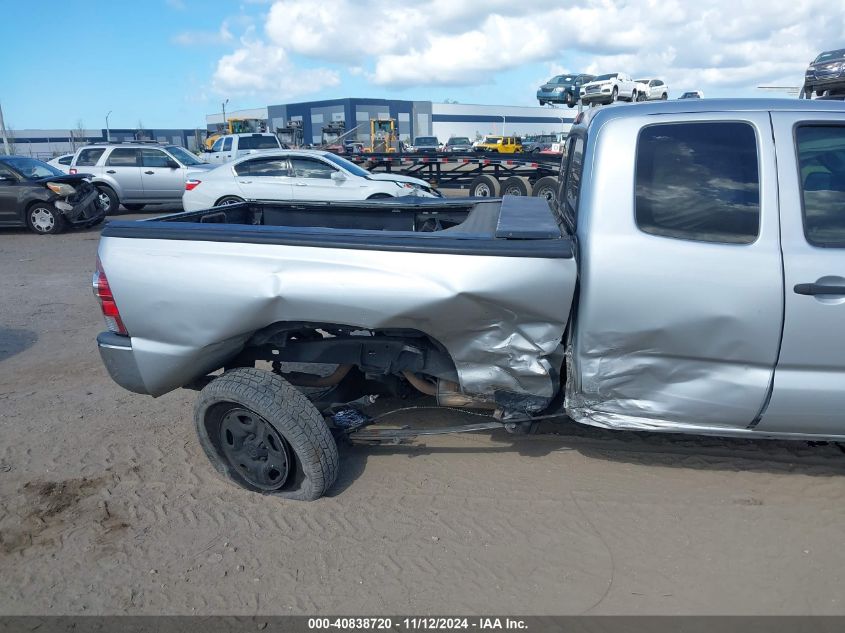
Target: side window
(218, 145)
(572, 188)
(227, 144)
(123, 157)
(154, 158)
(698, 181)
(263, 167)
(821, 165)
(89, 157)
(65, 160)
(310, 168)
(5, 172)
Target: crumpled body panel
(189, 305)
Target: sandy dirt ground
(110, 507)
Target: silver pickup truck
(691, 279)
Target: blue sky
(167, 63)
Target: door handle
(245, 182)
(111, 171)
(149, 173)
(818, 289)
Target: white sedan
(294, 175)
(61, 162)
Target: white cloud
(729, 44)
(256, 68)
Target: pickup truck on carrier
(690, 279)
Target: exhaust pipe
(448, 393)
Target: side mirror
(338, 176)
(173, 164)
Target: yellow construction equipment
(383, 137)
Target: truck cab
(716, 229)
(232, 146)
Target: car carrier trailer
(485, 175)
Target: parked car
(136, 174)
(692, 94)
(563, 89)
(826, 72)
(739, 199)
(232, 146)
(425, 145)
(44, 199)
(295, 175)
(458, 144)
(541, 142)
(62, 163)
(651, 90)
(499, 144)
(608, 89)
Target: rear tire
(484, 186)
(107, 199)
(664, 96)
(134, 207)
(516, 186)
(44, 219)
(546, 187)
(614, 96)
(261, 432)
(227, 200)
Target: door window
(821, 165)
(310, 168)
(227, 144)
(267, 167)
(123, 157)
(218, 145)
(154, 158)
(698, 181)
(5, 172)
(89, 157)
(65, 160)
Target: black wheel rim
(255, 449)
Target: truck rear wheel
(546, 188)
(261, 432)
(516, 186)
(484, 186)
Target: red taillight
(192, 184)
(72, 170)
(103, 292)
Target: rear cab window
(258, 141)
(821, 166)
(571, 189)
(698, 181)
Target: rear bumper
(117, 355)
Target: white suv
(609, 88)
(652, 90)
(299, 175)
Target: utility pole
(3, 133)
(108, 133)
(503, 124)
(225, 129)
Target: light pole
(108, 133)
(224, 115)
(503, 124)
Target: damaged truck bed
(243, 273)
